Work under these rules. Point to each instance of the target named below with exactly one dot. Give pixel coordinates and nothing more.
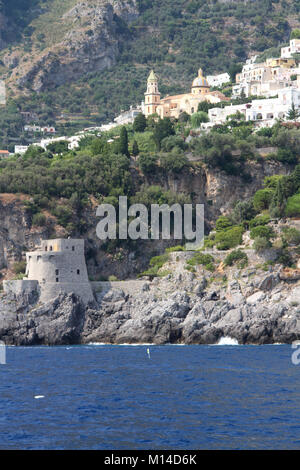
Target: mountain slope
(88, 60)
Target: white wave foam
(228, 341)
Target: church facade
(173, 106)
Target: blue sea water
(182, 397)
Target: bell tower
(152, 95)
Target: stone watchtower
(59, 267)
(56, 267)
(152, 95)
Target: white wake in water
(228, 341)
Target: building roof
(152, 77)
(200, 81)
(4, 152)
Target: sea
(148, 397)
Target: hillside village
(269, 91)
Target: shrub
(19, 267)
(112, 278)
(39, 220)
(159, 261)
(262, 231)
(223, 223)
(259, 220)
(203, 259)
(291, 235)
(229, 238)
(261, 244)
(63, 214)
(292, 208)
(236, 255)
(174, 248)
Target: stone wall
(20, 287)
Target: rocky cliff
(215, 189)
(88, 41)
(252, 307)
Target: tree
(135, 148)
(198, 118)
(293, 113)
(295, 34)
(123, 142)
(140, 123)
(233, 70)
(204, 106)
(163, 128)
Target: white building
(21, 149)
(127, 117)
(264, 112)
(288, 51)
(218, 80)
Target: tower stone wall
(58, 266)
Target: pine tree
(123, 142)
(135, 148)
(140, 123)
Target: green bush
(292, 208)
(229, 238)
(259, 220)
(262, 231)
(20, 267)
(261, 244)
(174, 248)
(203, 259)
(39, 220)
(236, 255)
(159, 261)
(291, 235)
(223, 223)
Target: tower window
(57, 280)
(57, 272)
(73, 248)
(78, 271)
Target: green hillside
(175, 38)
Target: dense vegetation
(175, 38)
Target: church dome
(200, 81)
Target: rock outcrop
(90, 44)
(180, 308)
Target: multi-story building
(293, 48)
(173, 106)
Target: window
(73, 248)
(51, 248)
(57, 272)
(78, 271)
(57, 280)
(46, 248)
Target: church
(173, 106)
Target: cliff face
(90, 44)
(213, 188)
